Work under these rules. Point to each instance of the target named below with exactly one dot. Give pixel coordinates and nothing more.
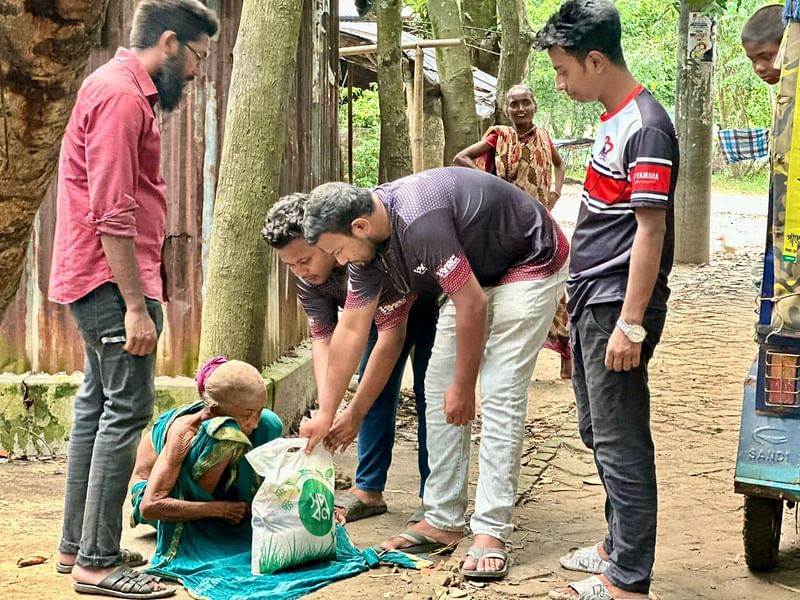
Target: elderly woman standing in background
(524, 155)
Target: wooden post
(350, 123)
(417, 118)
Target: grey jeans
(111, 409)
(614, 421)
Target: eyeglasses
(200, 57)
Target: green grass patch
(753, 182)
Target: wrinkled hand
(621, 353)
(459, 405)
(345, 429)
(140, 333)
(232, 512)
(315, 430)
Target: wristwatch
(635, 333)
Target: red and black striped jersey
(634, 164)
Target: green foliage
(649, 31)
(741, 99)
(755, 181)
(420, 23)
(649, 38)
(710, 7)
(366, 134)
(420, 8)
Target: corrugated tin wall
(40, 336)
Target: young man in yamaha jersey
(621, 256)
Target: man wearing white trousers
(501, 259)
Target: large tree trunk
(694, 118)
(516, 46)
(44, 48)
(395, 157)
(264, 64)
(480, 32)
(455, 74)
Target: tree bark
(480, 32)
(264, 65)
(44, 48)
(515, 43)
(694, 118)
(395, 155)
(455, 76)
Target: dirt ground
(697, 376)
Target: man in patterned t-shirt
(501, 258)
(322, 289)
(620, 260)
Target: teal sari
(211, 558)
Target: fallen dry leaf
(30, 561)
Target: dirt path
(697, 377)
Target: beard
(170, 82)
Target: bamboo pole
(417, 146)
(372, 48)
(350, 123)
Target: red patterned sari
(527, 162)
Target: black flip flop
(355, 509)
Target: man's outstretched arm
(382, 362)
(347, 345)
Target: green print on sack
(293, 509)
(316, 507)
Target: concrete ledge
(36, 409)
(36, 412)
(291, 387)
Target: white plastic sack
(293, 508)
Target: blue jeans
(112, 407)
(614, 421)
(376, 437)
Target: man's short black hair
(332, 207)
(189, 19)
(581, 26)
(765, 26)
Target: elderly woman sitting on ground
(194, 486)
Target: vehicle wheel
(762, 531)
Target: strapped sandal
(477, 553)
(130, 558)
(590, 588)
(585, 560)
(124, 582)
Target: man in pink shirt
(107, 267)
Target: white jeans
(519, 317)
